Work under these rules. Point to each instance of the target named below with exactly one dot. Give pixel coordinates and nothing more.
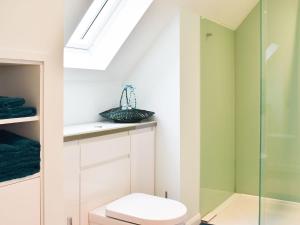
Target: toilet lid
(147, 210)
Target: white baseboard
(195, 220)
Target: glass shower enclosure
(280, 112)
(250, 118)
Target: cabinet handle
(69, 221)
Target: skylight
(102, 31)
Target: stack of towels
(13, 107)
(19, 156)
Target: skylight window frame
(110, 36)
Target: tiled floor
(244, 210)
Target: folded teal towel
(25, 160)
(8, 113)
(21, 165)
(19, 156)
(10, 138)
(19, 173)
(11, 102)
(17, 152)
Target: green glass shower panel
(247, 103)
(280, 153)
(217, 115)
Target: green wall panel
(247, 99)
(217, 115)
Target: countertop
(89, 130)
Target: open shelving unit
(23, 78)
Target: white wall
(190, 111)
(167, 80)
(156, 78)
(87, 93)
(33, 29)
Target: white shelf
(19, 120)
(15, 181)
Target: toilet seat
(140, 209)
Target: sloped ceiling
(230, 13)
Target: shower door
(280, 113)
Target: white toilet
(141, 209)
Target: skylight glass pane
(103, 4)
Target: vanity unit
(105, 161)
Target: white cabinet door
(20, 203)
(103, 149)
(102, 184)
(143, 160)
(71, 182)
